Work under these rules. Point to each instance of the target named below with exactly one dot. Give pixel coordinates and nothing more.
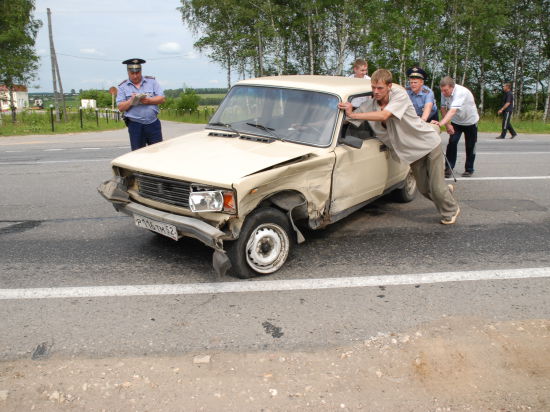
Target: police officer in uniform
(422, 97)
(138, 97)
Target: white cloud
(42, 52)
(169, 48)
(213, 81)
(91, 51)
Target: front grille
(162, 189)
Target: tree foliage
(481, 43)
(187, 99)
(18, 30)
(102, 97)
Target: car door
(360, 173)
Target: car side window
(363, 131)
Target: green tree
(18, 59)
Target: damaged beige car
(276, 156)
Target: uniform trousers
(470, 137)
(142, 135)
(430, 180)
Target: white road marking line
(502, 178)
(90, 148)
(13, 151)
(273, 285)
(42, 162)
(53, 150)
(510, 153)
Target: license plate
(165, 229)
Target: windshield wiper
(226, 126)
(269, 130)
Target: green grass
(214, 95)
(39, 122)
(494, 124)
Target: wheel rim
(410, 183)
(267, 248)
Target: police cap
(416, 73)
(133, 65)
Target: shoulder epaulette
(150, 77)
(122, 82)
(425, 89)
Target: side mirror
(351, 141)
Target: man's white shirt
(463, 101)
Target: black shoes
(467, 174)
(514, 135)
(448, 173)
(500, 137)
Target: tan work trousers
(430, 180)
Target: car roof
(338, 85)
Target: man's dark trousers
(142, 135)
(506, 125)
(470, 136)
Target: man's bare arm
(427, 110)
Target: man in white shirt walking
(459, 116)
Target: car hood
(201, 158)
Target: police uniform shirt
(461, 99)
(405, 133)
(141, 113)
(425, 95)
(357, 101)
(508, 98)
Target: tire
(263, 245)
(408, 192)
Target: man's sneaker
(450, 220)
(514, 135)
(467, 174)
(448, 173)
(500, 137)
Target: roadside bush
(102, 97)
(188, 100)
(532, 115)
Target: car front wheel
(263, 245)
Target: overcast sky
(93, 37)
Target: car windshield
(299, 116)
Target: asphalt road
(56, 231)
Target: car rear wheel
(408, 192)
(263, 245)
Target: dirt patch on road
(450, 365)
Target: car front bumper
(115, 192)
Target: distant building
(88, 103)
(20, 97)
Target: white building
(20, 97)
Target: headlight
(212, 201)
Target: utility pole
(56, 76)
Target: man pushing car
(393, 118)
